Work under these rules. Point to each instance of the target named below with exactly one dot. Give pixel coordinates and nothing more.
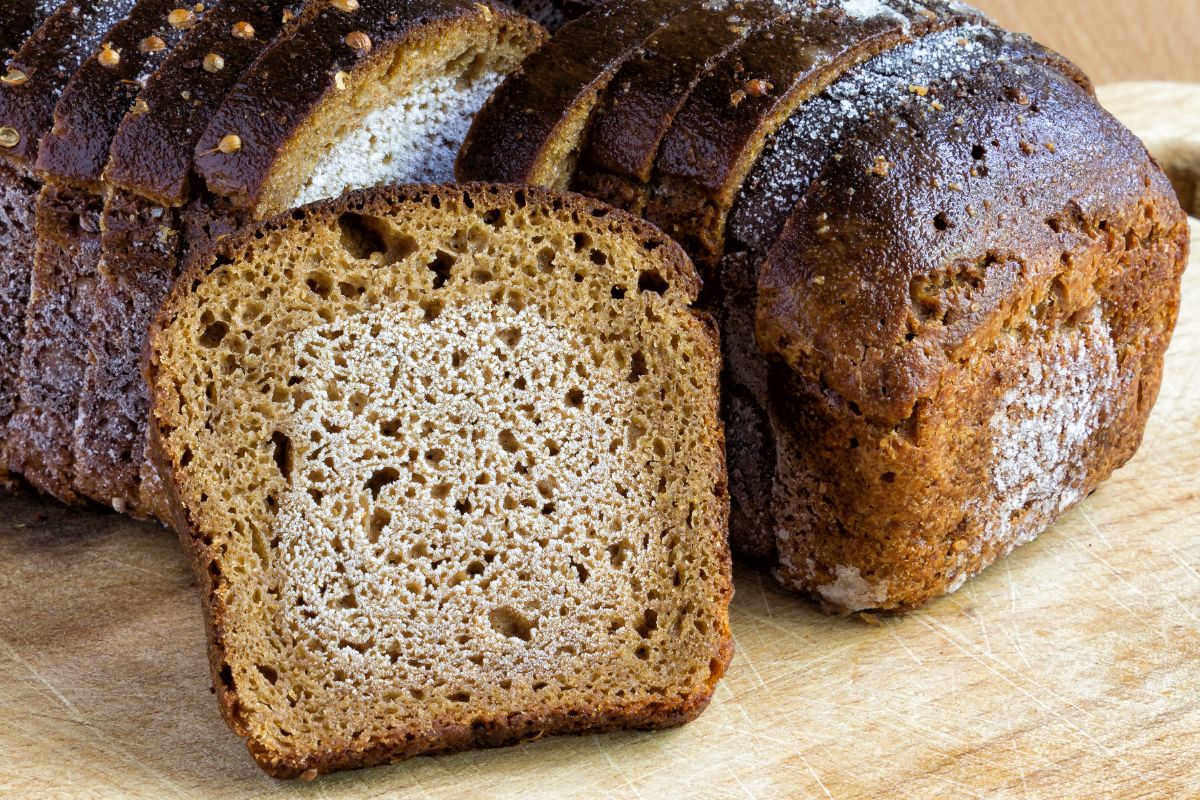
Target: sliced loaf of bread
(378, 91)
(71, 160)
(152, 193)
(47, 41)
(450, 465)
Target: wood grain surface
(1113, 40)
(1069, 670)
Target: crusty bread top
(902, 258)
(478, 490)
(48, 59)
(154, 148)
(315, 63)
(103, 89)
(627, 129)
(531, 128)
(19, 19)
(719, 133)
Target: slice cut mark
(645, 94)
(532, 129)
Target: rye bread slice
(721, 130)
(18, 20)
(450, 466)
(152, 195)
(532, 128)
(268, 150)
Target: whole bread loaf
(945, 277)
(450, 465)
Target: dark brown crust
(490, 733)
(49, 58)
(1036, 205)
(18, 196)
(18, 19)
(95, 100)
(859, 345)
(62, 294)
(720, 131)
(646, 93)
(153, 152)
(266, 119)
(519, 127)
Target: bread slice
(151, 195)
(379, 94)
(450, 464)
(48, 379)
(949, 392)
(18, 20)
(338, 123)
(532, 128)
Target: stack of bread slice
(161, 130)
(449, 460)
(910, 224)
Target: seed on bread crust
(357, 40)
(182, 19)
(230, 143)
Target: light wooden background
(1113, 40)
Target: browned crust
(18, 19)
(645, 94)
(491, 733)
(18, 196)
(719, 133)
(1032, 129)
(516, 134)
(97, 97)
(1054, 208)
(152, 151)
(49, 57)
(307, 63)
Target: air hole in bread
(652, 281)
(441, 267)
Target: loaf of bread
(945, 277)
(173, 133)
(450, 465)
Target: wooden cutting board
(1069, 670)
